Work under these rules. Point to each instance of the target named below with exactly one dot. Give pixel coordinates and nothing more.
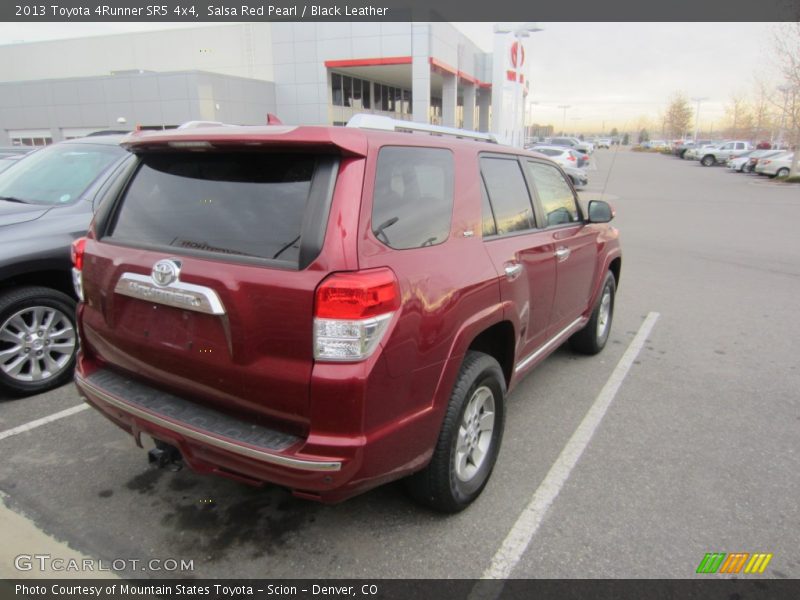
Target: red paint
(442, 66)
(517, 55)
(368, 62)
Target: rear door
(521, 252)
(203, 277)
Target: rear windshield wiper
(12, 199)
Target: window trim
(536, 215)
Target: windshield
(58, 174)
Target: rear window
(244, 204)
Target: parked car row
(737, 155)
(774, 163)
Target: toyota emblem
(165, 272)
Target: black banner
(161, 11)
(251, 589)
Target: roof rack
(197, 124)
(367, 121)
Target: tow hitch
(165, 456)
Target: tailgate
(202, 279)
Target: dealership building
(305, 73)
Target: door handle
(512, 270)
(562, 253)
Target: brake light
(352, 313)
(76, 251)
(570, 157)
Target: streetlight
(697, 116)
(519, 32)
(785, 89)
(564, 120)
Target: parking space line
(43, 421)
(521, 534)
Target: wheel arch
(497, 341)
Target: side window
(413, 198)
(555, 194)
(508, 194)
(727, 147)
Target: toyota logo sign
(165, 272)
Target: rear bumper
(213, 443)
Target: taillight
(76, 251)
(352, 312)
(570, 157)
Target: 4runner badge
(165, 272)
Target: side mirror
(600, 211)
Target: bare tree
(739, 116)
(678, 118)
(763, 108)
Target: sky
(610, 74)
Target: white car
(739, 162)
(759, 155)
(603, 143)
(563, 156)
(572, 142)
(779, 165)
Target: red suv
(329, 309)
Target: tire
(784, 172)
(452, 480)
(747, 168)
(593, 337)
(708, 160)
(38, 340)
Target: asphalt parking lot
(697, 451)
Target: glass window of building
(336, 89)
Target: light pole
(785, 89)
(564, 119)
(520, 32)
(697, 116)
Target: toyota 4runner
(332, 308)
